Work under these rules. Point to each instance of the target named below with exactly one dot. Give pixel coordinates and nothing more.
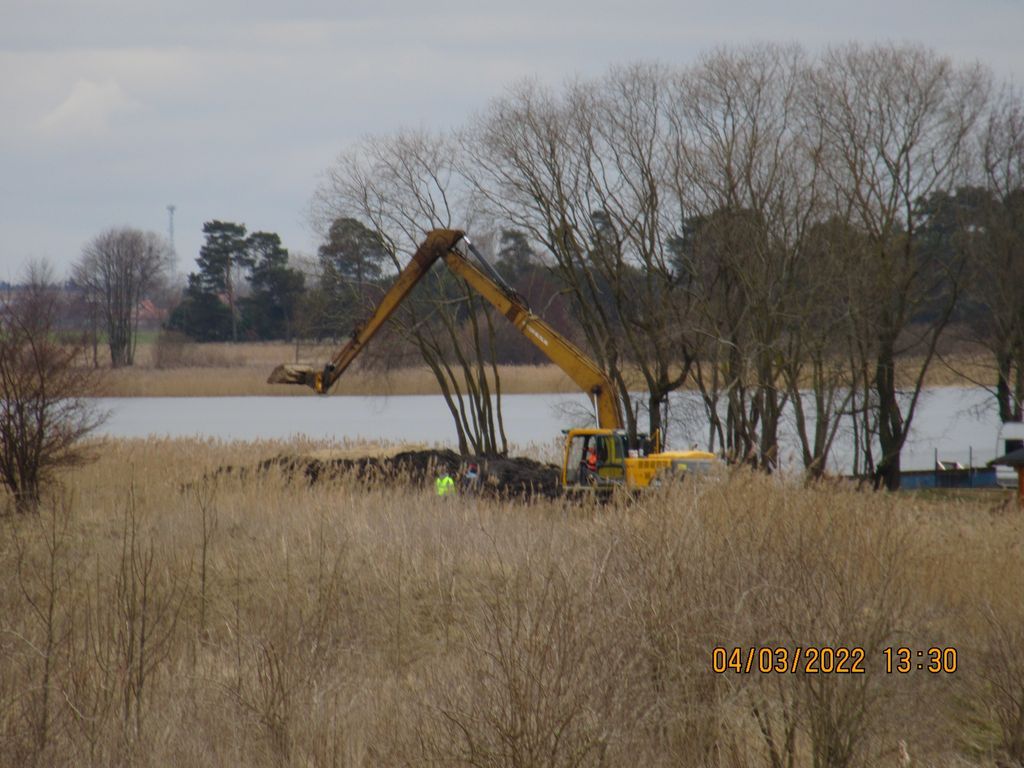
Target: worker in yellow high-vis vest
(444, 483)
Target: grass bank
(160, 612)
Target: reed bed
(186, 369)
(175, 351)
(251, 380)
(162, 611)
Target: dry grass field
(161, 613)
(222, 370)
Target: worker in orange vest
(592, 463)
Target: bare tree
(742, 171)
(43, 415)
(402, 187)
(118, 269)
(631, 229)
(583, 176)
(895, 123)
(819, 379)
(996, 262)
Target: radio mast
(170, 228)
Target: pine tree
(220, 259)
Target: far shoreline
(241, 370)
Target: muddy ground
(499, 477)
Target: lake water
(954, 421)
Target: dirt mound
(499, 477)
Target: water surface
(954, 421)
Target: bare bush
(998, 675)
(171, 350)
(43, 574)
(43, 413)
(544, 687)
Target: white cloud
(88, 109)
(230, 108)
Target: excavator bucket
(293, 374)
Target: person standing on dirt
(444, 484)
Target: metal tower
(170, 227)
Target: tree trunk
(1003, 386)
(231, 303)
(891, 429)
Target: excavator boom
(559, 350)
(440, 244)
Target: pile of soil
(499, 477)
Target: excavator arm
(440, 244)
(559, 350)
(437, 243)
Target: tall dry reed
(251, 379)
(162, 612)
(176, 367)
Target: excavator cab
(606, 470)
(619, 465)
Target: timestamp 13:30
(830, 659)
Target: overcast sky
(110, 110)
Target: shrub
(43, 413)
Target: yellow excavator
(597, 459)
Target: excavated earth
(499, 477)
